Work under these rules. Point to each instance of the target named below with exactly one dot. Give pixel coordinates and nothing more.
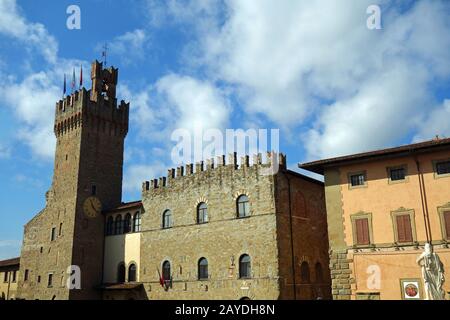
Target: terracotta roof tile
(10, 262)
(125, 206)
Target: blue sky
(309, 68)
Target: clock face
(92, 207)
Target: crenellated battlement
(275, 161)
(96, 108)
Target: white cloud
(129, 46)
(315, 64)
(28, 181)
(135, 175)
(9, 249)
(5, 152)
(196, 104)
(32, 101)
(173, 102)
(382, 110)
(177, 102)
(201, 12)
(15, 25)
(436, 123)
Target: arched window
(137, 222)
(202, 269)
(245, 269)
(127, 223)
(110, 226)
(304, 272)
(166, 271)
(121, 273)
(243, 206)
(118, 227)
(132, 273)
(202, 213)
(167, 219)
(319, 273)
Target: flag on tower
(81, 76)
(73, 80)
(64, 89)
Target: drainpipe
(9, 284)
(292, 238)
(423, 197)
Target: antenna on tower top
(104, 52)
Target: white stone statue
(432, 273)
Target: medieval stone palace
(377, 228)
(221, 231)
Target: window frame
(110, 226)
(127, 223)
(53, 234)
(164, 270)
(170, 220)
(202, 274)
(118, 224)
(305, 277)
(362, 215)
(202, 212)
(248, 268)
(318, 269)
(135, 272)
(390, 169)
(120, 274)
(400, 212)
(246, 206)
(50, 280)
(441, 212)
(349, 179)
(435, 164)
(137, 221)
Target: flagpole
(73, 80)
(81, 76)
(64, 88)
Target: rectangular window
(362, 231)
(357, 179)
(25, 276)
(39, 279)
(404, 230)
(94, 190)
(53, 237)
(443, 167)
(14, 274)
(447, 224)
(397, 174)
(50, 280)
(5, 276)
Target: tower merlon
(173, 175)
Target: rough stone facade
(276, 238)
(90, 129)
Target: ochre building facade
(382, 207)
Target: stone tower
(90, 128)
